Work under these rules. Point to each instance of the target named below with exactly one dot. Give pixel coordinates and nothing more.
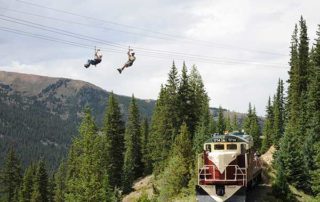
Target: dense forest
(105, 159)
(39, 116)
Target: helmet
(98, 49)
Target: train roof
(231, 137)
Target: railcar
(227, 168)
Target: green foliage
(280, 187)
(251, 126)
(133, 167)
(27, 185)
(144, 147)
(268, 128)
(60, 182)
(40, 183)
(221, 125)
(176, 175)
(113, 129)
(86, 165)
(278, 115)
(11, 177)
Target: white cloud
(232, 27)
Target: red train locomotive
(227, 167)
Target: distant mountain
(40, 115)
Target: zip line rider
(97, 58)
(131, 59)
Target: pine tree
(144, 147)
(11, 177)
(159, 143)
(278, 114)
(255, 130)
(27, 185)
(199, 97)
(312, 143)
(235, 124)
(221, 126)
(202, 133)
(268, 128)
(113, 129)
(247, 122)
(177, 173)
(280, 186)
(133, 167)
(212, 125)
(315, 174)
(60, 181)
(172, 111)
(40, 184)
(251, 126)
(186, 101)
(86, 180)
(228, 123)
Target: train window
(243, 148)
(231, 146)
(219, 147)
(208, 147)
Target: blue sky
(242, 33)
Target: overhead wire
(148, 30)
(72, 43)
(146, 51)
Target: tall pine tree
(133, 167)
(11, 177)
(113, 129)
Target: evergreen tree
(27, 185)
(268, 128)
(60, 181)
(228, 123)
(212, 125)
(133, 167)
(113, 129)
(251, 126)
(144, 146)
(199, 97)
(255, 130)
(221, 126)
(278, 114)
(186, 101)
(235, 124)
(171, 107)
(11, 177)
(43, 180)
(86, 180)
(51, 188)
(312, 142)
(280, 186)
(177, 174)
(315, 174)
(159, 143)
(247, 122)
(202, 133)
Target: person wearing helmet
(97, 59)
(131, 59)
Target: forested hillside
(39, 116)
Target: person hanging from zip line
(129, 63)
(97, 58)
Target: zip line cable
(53, 39)
(148, 51)
(147, 30)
